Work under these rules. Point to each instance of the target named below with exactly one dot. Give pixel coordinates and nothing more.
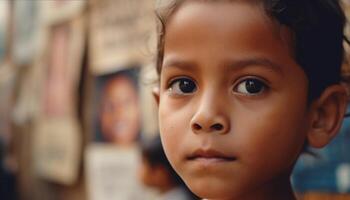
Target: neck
(273, 190)
(279, 190)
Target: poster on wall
(112, 173)
(117, 112)
(113, 159)
(121, 33)
(57, 141)
(5, 82)
(57, 147)
(59, 86)
(26, 31)
(4, 20)
(58, 11)
(7, 85)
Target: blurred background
(76, 107)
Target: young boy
(245, 85)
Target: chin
(210, 190)
(206, 193)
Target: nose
(211, 116)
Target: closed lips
(210, 154)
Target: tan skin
(233, 109)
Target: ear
(327, 114)
(155, 93)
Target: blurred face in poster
(120, 111)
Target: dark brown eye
(183, 86)
(251, 87)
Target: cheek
(173, 125)
(275, 131)
(168, 132)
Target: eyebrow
(254, 61)
(230, 65)
(178, 63)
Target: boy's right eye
(182, 86)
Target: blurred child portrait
(236, 108)
(119, 112)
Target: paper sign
(111, 173)
(121, 34)
(56, 148)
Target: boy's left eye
(250, 86)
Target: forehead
(235, 29)
(220, 16)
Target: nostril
(196, 127)
(217, 127)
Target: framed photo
(117, 113)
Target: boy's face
(233, 102)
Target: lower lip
(206, 162)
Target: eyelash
(263, 86)
(190, 82)
(239, 88)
